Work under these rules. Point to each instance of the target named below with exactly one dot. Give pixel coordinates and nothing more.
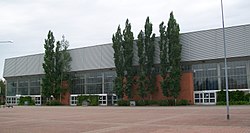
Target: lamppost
(6, 41)
(225, 61)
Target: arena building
(93, 68)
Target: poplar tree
(150, 52)
(66, 67)
(146, 48)
(2, 88)
(127, 43)
(48, 81)
(56, 66)
(142, 62)
(119, 62)
(58, 70)
(164, 60)
(66, 59)
(174, 56)
(62, 66)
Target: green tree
(164, 60)
(127, 43)
(66, 59)
(119, 61)
(58, 70)
(146, 48)
(2, 88)
(56, 66)
(2, 91)
(142, 62)
(63, 65)
(123, 58)
(48, 81)
(174, 56)
(150, 52)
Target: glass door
(205, 98)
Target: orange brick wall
(187, 87)
(65, 96)
(186, 90)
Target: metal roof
(199, 45)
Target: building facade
(93, 68)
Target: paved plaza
(67, 119)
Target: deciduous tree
(127, 43)
(2, 88)
(119, 62)
(142, 62)
(146, 49)
(164, 60)
(174, 56)
(56, 66)
(48, 81)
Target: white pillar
(248, 74)
(85, 81)
(103, 83)
(219, 76)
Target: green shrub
(234, 96)
(171, 102)
(163, 103)
(221, 103)
(239, 103)
(153, 102)
(234, 103)
(123, 103)
(221, 96)
(93, 100)
(80, 99)
(2, 102)
(54, 103)
(182, 102)
(247, 97)
(26, 101)
(140, 103)
(146, 102)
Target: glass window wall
(23, 87)
(78, 85)
(237, 75)
(109, 78)
(11, 87)
(98, 82)
(205, 77)
(35, 86)
(94, 83)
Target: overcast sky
(92, 22)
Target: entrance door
(110, 100)
(205, 98)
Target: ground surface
(193, 119)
